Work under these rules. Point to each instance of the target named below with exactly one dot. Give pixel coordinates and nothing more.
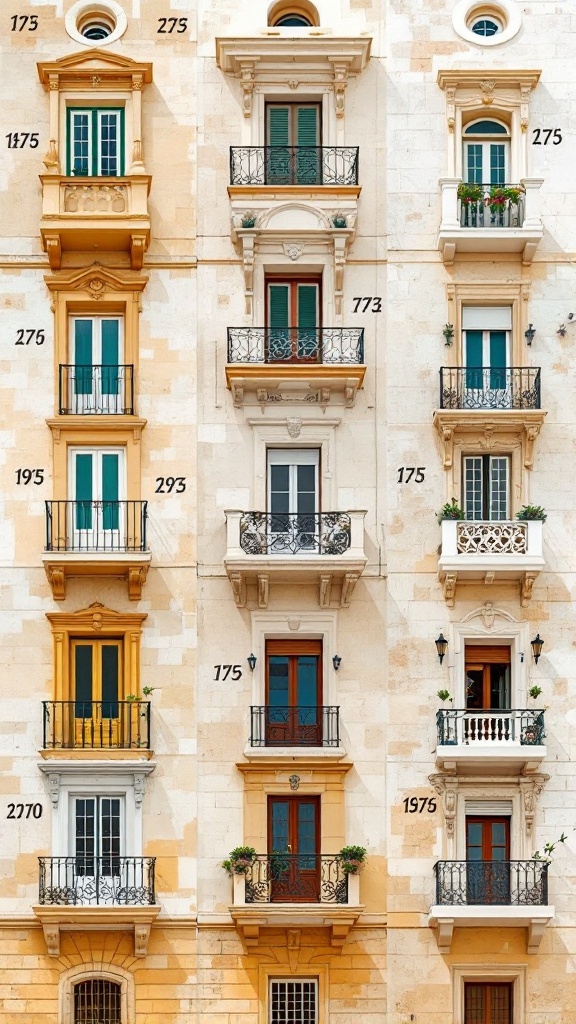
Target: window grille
(293, 1002)
(97, 1002)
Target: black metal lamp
(336, 661)
(441, 646)
(537, 644)
(529, 334)
(251, 659)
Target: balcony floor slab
(446, 918)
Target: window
(301, 14)
(486, 153)
(485, 26)
(487, 1003)
(487, 857)
(293, 486)
(486, 487)
(97, 1002)
(294, 847)
(296, 1002)
(98, 838)
(486, 344)
(294, 692)
(292, 140)
(292, 319)
(96, 141)
(487, 678)
(95, 379)
(96, 486)
(96, 673)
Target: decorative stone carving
(451, 108)
(294, 781)
(293, 945)
(54, 788)
(57, 580)
(141, 936)
(339, 86)
(95, 199)
(450, 588)
(139, 788)
(52, 938)
(50, 161)
(530, 787)
(492, 538)
(487, 90)
(293, 250)
(527, 584)
(447, 788)
(294, 426)
(247, 80)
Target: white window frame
(489, 456)
(312, 433)
(96, 450)
(97, 322)
(293, 457)
(73, 797)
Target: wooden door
(294, 848)
(488, 859)
(96, 674)
(294, 693)
(487, 1003)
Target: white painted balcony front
(480, 741)
(481, 227)
(325, 549)
(492, 552)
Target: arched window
(301, 14)
(97, 1001)
(487, 152)
(485, 27)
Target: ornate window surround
(317, 971)
(84, 972)
(496, 626)
(295, 432)
(513, 973)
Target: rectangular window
(486, 354)
(487, 678)
(95, 371)
(486, 162)
(293, 316)
(487, 1003)
(296, 1001)
(292, 144)
(486, 487)
(97, 840)
(488, 860)
(294, 692)
(96, 489)
(96, 141)
(293, 499)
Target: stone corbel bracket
(55, 919)
(245, 240)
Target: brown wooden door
(488, 859)
(487, 1003)
(293, 319)
(294, 848)
(487, 678)
(96, 679)
(294, 693)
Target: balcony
(485, 226)
(490, 388)
(94, 214)
(91, 726)
(96, 892)
(499, 551)
(96, 538)
(294, 165)
(295, 890)
(493, 894)
(323, 548)
(271, 365)
(96, 390)
(294, 726)
(480, 741)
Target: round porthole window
(293, 14)
(95, 23)
(487, 24)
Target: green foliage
(451, 510)
(470, 193)
(535, 692)
(502, 194)
(444, 695)
(531, 512)
(352, 859)
(240, 859)
(549, 849)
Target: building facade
(287, 513)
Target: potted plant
(534, 692)
(249, 219)
(146, 691)
(448, 333)
(352, 858)
(240, 860)
(451, 510)
(444, 695)
(500, 195)
(468, 192)
(339, 220)
(531, 512)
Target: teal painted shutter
(83, 356)
(497, 163)
(84, 494)
(497, 359)
(474, 359)
(278, 155)
(307, 161)
(109, 136)
(110, 381)
(110, 681)
(307, 321)
(474, 163)
(83, 660)
(279, 343)
(110, 507)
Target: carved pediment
(98, 618)
(83, 67)
(96, 280)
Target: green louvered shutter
(110, 681)
(307, 321)
(279, 343)
(474, 359)
(84, 494)
(307, 159)
(110, 381)
(278, 153)
(110, 507)
(497, 359)
(83, 661)
(83, 356)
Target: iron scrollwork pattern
(517, 883)
(296, 877)
(326, 345)
(490, 727)
(287, 533)
(490, 387)
(294, 165)
(296, 726)
(95, 881)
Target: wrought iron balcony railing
(304, 533)
(326, 345)
(99, 526)
(486, 387)
(91, 724)
(491, 212)
(294, 726)
(516, 883)
(97, 881)
(296, 878)
(486, 729)
(102, 390)
(293, 165)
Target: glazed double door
(294, 848)
(488, 860)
